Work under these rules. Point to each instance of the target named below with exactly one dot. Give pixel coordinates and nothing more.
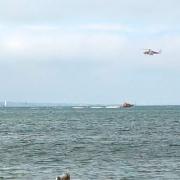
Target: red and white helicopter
(150, 52)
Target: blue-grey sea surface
(139, 143)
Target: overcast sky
(89, 51)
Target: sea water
(140, 143)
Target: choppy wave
(43, 143)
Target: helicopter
(150, 52)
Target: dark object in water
(127, 105)
(65, 176)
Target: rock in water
(65, 176)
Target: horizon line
(24, 104)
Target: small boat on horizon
(5, 104)
(127, 105)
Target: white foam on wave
(112, 107)
(78, 107)
(96, 107)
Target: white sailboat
(5, 103)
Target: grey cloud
(139, 11)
